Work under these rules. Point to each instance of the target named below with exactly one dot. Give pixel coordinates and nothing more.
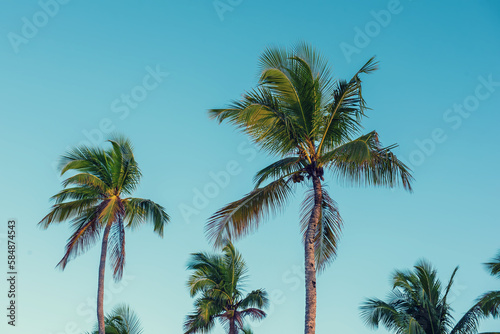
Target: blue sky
(85, 71)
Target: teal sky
(68, 80)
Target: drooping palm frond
(257, 298)
(260, 115)
(116, 248)
(85, 235)
(243, 216)
(279, 169)
(139, 211)
(328, 229)
(364, 161)
(490, 303)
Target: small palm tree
(312, 123)
(418, 304)
(94, 200)
(122, 320)
(216, 281)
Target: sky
(74, 72)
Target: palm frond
(348, 100)
(86, 233)
(257, 298)
(68, 210)
(490, 303)
(328, 230)
(117, 248)
(139, 211)
(279, 169)
(494, 266)
(364, 161)
(243, 216)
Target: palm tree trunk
(310, 263)
(100, 288)
(232, 326)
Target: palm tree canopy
(216, 281)
(418, 304)
(122, 320)
(312, 123)
(95, 196)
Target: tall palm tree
(94, 200)
(122, 320)
(216, 281)
(312, 123)
(418, 304)
(490, 301)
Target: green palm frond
(494, 266)
(87, 181)
(364, 161)
(328, 228)
(85, 235)
(279, 169)
(77, 193)
(243, 216)
(347, 99)
(88, 160)
(139, 211)
(469, 322)
(490, 303)
(257, 298)
(116, 247)
(68, 210)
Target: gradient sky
(71, 75)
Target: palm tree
(418, 304)
(122, 320)
(312, 123)
(490, 301)
(216, 281)
(94, 200)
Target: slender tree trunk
(100, 288)
(310, 263)
(232, 326)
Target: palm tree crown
(216, 281)
(312, 123)
(418, 304)
(94, 198)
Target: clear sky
(151, 69)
